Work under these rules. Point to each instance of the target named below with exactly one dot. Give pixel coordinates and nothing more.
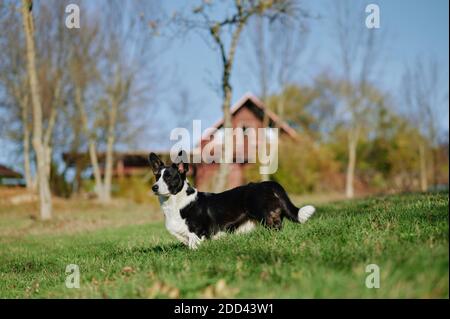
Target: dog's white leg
(183, 239)
(246, 227)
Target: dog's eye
(170, 176)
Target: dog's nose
(155, 188)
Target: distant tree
(422, 90)
(112, 80)
(86, 50)
(357, 53)
(13, 78)
(307, 108)
(273, 59)
(184, 104)
(39, 144)
(391, 150)
(274, 51)
(225, 33)
(32, 79)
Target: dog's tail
(292, 212)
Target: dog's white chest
(175, 224)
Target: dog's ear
(182, 162)
(155, 162)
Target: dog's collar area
(190, 190)
(186, 191)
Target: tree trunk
(26, 160)
(261, 57)
(353, 142)
(265, 124)
(51, 124)
(109, 152)
(76, 189)
(224, 168)
(26, 146)
(433, 167)
(222, 178)
(21, 93)
(48, 161)
(99, 189)
(423, 167)
(43, 179)
(432, 153)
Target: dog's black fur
(210, 213)
(265, 202)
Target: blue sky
(413, 28)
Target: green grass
(405, 235)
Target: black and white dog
(193, 216)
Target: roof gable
(244, 102)
(7, 172)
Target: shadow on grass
(145, 250)
(162, 248)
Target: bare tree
(422, 90)
(38, 135)
(15, 83)
(358, 56)
(34, 54)
(112, 79)
(275, 49)
(225, 33)
(185, 105)
(131, 26)
(52, 43)
(85, 54)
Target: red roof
(258, 103)
(7, 172)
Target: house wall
(243, 118)
(204, 173)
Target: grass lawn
(124, 251)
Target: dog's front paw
(194, 242)
(193, 245)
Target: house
(9, 177)
(247, 112)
